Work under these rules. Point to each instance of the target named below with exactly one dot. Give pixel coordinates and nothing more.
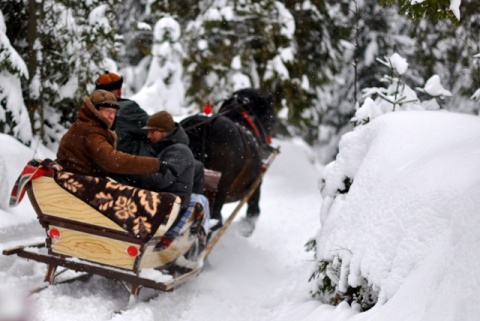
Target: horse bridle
(241, 104)
(246, 114)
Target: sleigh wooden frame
(81, 239)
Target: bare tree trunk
(32, 104)
(355, 56)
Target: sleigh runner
(135, 236)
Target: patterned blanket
(138, 211)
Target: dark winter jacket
(132, 138)
(88, 148)
(198, 178)
(177, 172)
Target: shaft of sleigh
(242, 202)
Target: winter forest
(318, 60)
(330, 67)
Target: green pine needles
(327, 277)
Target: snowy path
(263, 277)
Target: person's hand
(163, 166)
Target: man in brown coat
(88, 147)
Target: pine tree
(417, 10)
(248, 34)
(63, 44)
(13, 112)
(163, 88)
(448, 50)
(134, 23)
(320, 28)
(374, 32)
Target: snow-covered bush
(335, 282)
(408, 221)
(328, 274)
(397, 95)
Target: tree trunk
(30, 102)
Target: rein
(245, 115)
(209, 119)
(258, 130)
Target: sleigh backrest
(211, 185)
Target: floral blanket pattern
(138, 211)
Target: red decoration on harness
(132, 250)
(251, 123)
(269, 139)
(207, 109)
(54, 234)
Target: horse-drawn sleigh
(139, 237)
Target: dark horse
(234, 141)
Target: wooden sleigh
(82, 238)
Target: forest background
(312, 57)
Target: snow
(399, 63)
(409, 224)
(434, 88)
(287, 20)
(97, 17)
(455, 7)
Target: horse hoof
(246, 225)
(215, 224)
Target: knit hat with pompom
(109, 81)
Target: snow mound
(409, 223)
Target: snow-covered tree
(163, 88)
(448, 50)
(134, 23)
(373, 32)
(63, 44)
(253, 36)
(438, 9)
(14, 118)
(476, 94)
(318, 28)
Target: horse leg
(247, 223)
(253, 209)
(220, 198)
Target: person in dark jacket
(170, 146)
(88, 147)
(132, 138)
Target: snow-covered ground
(410, 225)
(263, 277)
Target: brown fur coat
(88, 148)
